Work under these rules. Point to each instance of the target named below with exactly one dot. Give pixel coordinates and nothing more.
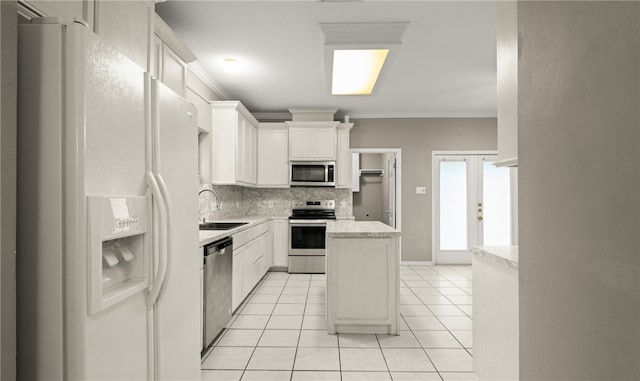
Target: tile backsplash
(239, 201)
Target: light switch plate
(421, 190)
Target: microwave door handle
(326, 173)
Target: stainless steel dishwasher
(217, 288)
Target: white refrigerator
(107, 214)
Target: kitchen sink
(221, 225)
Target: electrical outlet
(343, 203)
(238, 204)
(270, 204)
(421, 190)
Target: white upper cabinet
(234, 144)
(312, 140)
(170, 58)
(126, 25)
(173, 70)
(507, 77)
(273, 155)
(343, 156)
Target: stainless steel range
(308, 231)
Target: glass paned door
(453, 204)
(495, 204)
(472, 206)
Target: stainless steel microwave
(313, 174)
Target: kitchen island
(495, 312)
(363, 277)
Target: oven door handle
(296, 225)
(308, 222)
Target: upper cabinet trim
(170, 38)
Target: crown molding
(29, 11)
(419, 115)
(285, 116)
(272, 116)
(199, 72)
(356, 33)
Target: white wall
(8, 109)
(579, 173)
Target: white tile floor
(279, 333)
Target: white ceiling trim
(363, 33)
(419, 115)
(209, 81)
(282, 116)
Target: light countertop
(349, 228)
(505, 254)
(208, 236)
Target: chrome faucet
(214, 195)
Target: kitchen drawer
(245, 236)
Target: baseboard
(283, 269)
(416, 263)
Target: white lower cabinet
(201, 271)
(280, 243)
(236, 279)
(251, 253)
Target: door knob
(479, 209)
(479, 218)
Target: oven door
(307, 238)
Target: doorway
(376, 185)
(473, 204)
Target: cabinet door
(241, 150)
(324, 143)
(236, 279)
(343, 159)
(273, 157)
(301, 143)
(280, 243)
(258, 259)
(204, 138)
(247, 270)
(174, 70)
(267, 252)
(125, 25)
(201, 314)
(156, 61)
(251, 152)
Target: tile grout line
(304, 310)
(416, 337)
(246, 301)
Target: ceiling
(445, 67)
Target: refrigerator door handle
(161, 254)
(167, 232)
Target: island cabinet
(495, 312)
(363, 277)
(235, 144)
(313, 141)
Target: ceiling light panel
(356, 55)
(355, 72)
